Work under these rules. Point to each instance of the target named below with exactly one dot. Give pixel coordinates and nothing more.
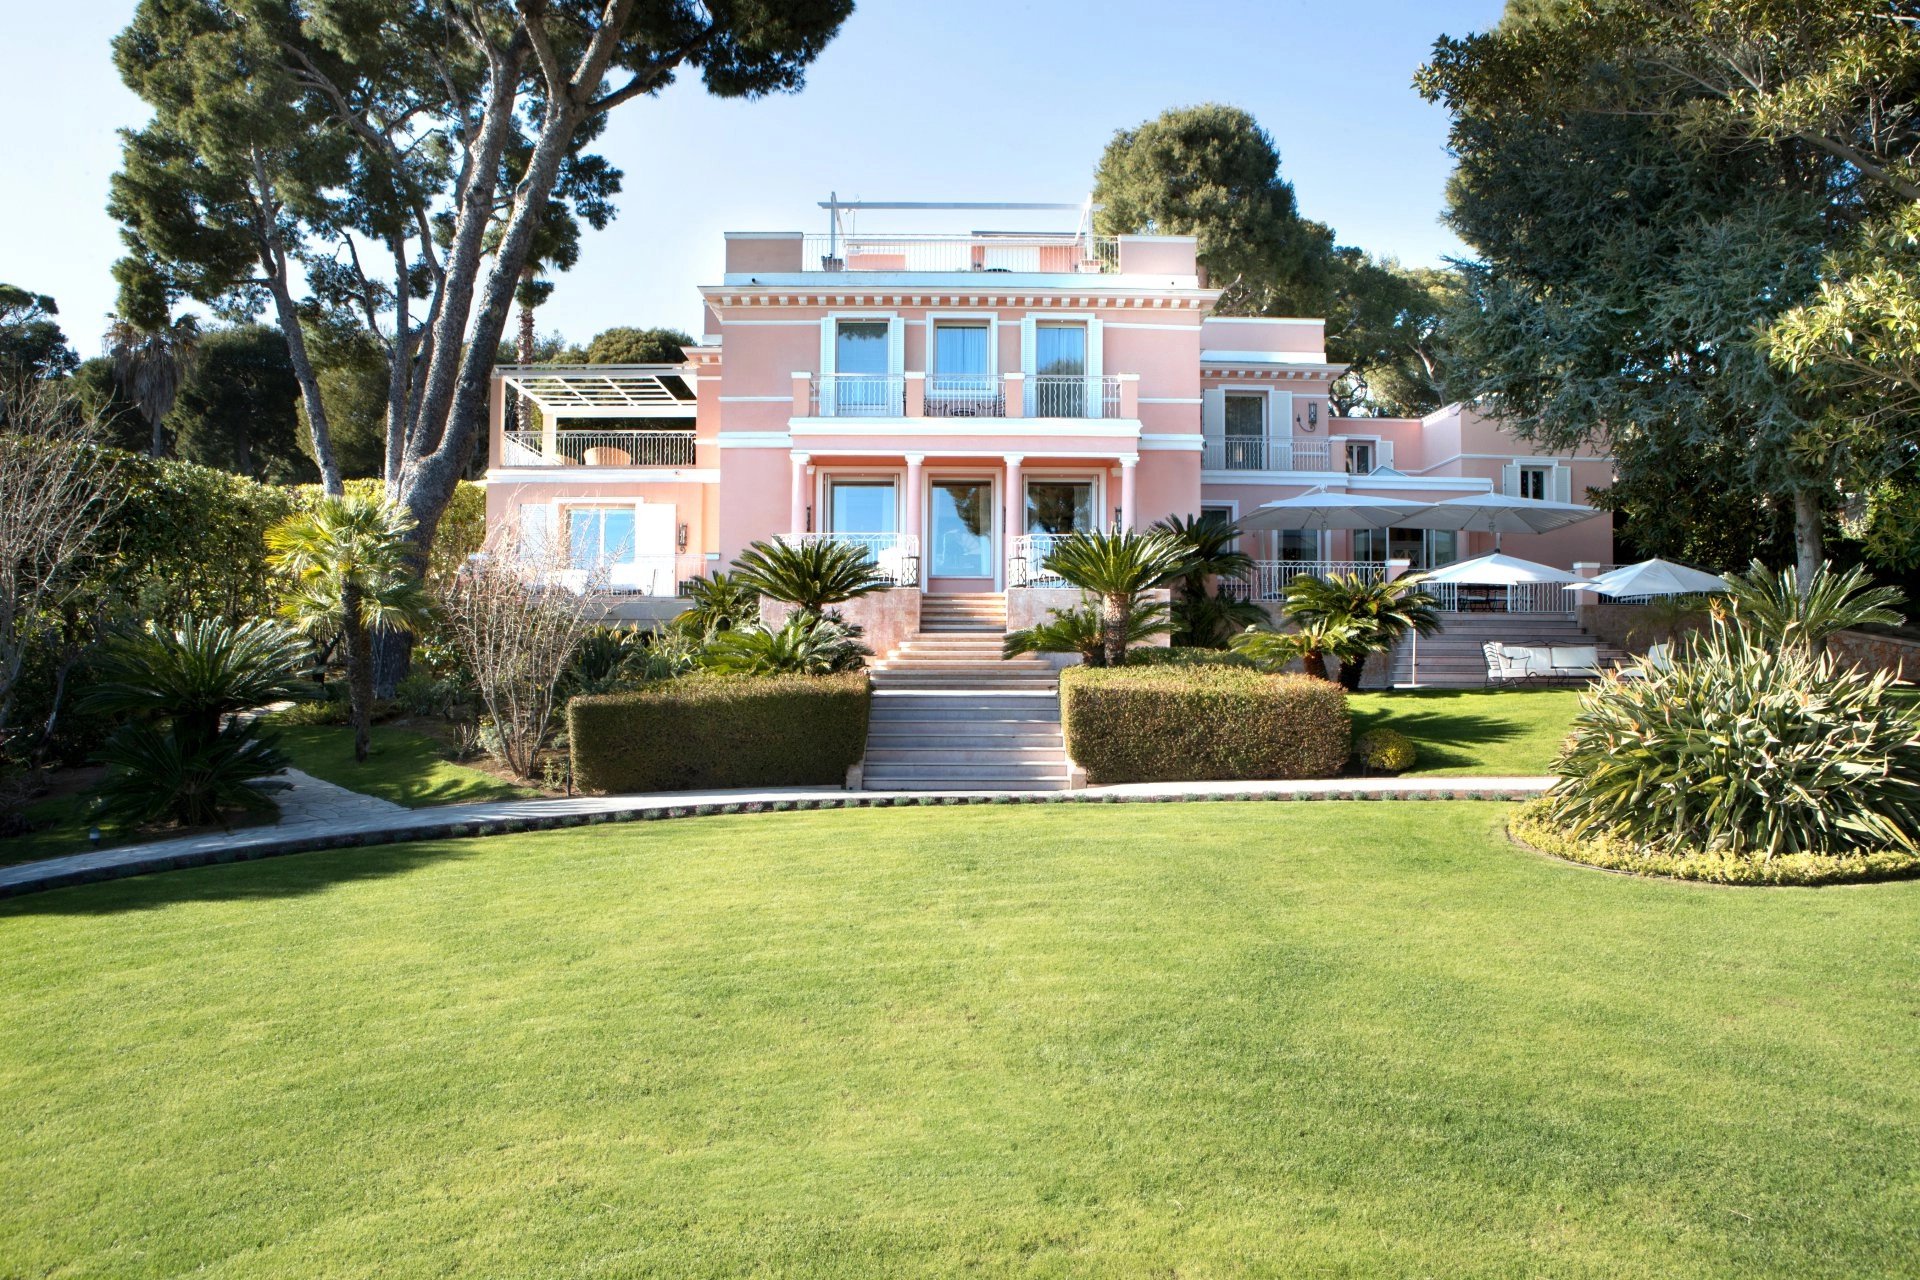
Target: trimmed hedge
(1196, 723)
(705, 731)
(1534, 825)
(1180, 655)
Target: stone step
(1008, 718)
(967, 755)
(1002, 784)
(965, 774)
(888, 681)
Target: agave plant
(811, 575)
(804, 645)
(720, 603)
(1311, 643)
(1381, 613)
(1117, 567)
(1777, 609)
(1746, 750)
(1083, 631)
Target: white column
(1013, 497)
(913, 515)
(1127, 466)
(797, 513)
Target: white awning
(603, 390)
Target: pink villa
(953, 403)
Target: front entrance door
(961, 550)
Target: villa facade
(955, 403)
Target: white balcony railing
(1026, 562)
(599, 449)
(1073, 395)
(1063, 254)
(897, 555)
(1257, 453)
(1270, 579)
(965, 395)
(859, 395)
(640, 575)
(1521, 597)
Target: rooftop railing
(599, 449)
(1051, 254)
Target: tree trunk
(158, 448)
(1351, 669)
(1113, 620)
(359, 672)
(1315, 665)
(392, 659)
(303, 373)
(1807, 547)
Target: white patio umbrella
(1652, 578)
(1332, 509)
(1499, 513)
(1497, 570)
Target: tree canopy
(235, 410)
(626, 345)
(31, 342)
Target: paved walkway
(319, 815)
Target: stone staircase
(1453, 658)
(950, 714)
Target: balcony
(1254, 453)
(1060, 254)
(896, 555)
(1026, 564)
(939, 395)
(598, 449)
(1270, 579)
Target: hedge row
(697, 732)
(1536, 826)
(1195, 723)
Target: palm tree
(150, 363)
(812, 575)
(1381, 613)
(1310, 644)
(1204, 614)
(1778, 611)
(720, 603)
(1082, 631)
(346, 561)
(1117, 566)
(196, 674)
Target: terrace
(644, 393)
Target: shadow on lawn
(281, 876)
(1447, 722)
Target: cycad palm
(1117, 566)
(719, 603)
(1381, 613)
(1205, 615)
(810, 575)
(346, 562)
(1310, 644)
(1773, 609)
(196, 674)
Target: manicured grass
(1473, 731)
(1200, 1040)
(404, 767)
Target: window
(860, 506)
(1534, 483)
(1060, 506)
(1246, 430)
(1360, 456)
(1300, 544)
(960, 347)
(1059, 349)
(860, 346)
(961, 384)
(599, 536)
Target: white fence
(897, 555)
(1053, 254)
(1073, 395)
(1257, 453)
(965, 395)
(1270, 578)
(1026, 562)
(859, 395)
(600, 449)
(651, 575)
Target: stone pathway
(319, 815)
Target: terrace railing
(1521, 597)
(965, 395)
(1073, 395)
(859, 395)
(896, 555)
(1026, 562)
(600, 449)
(1270, 579)
(1259, 453)
(1049, 254)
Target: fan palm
(1311, 643)
(1779, 611)
(346, 562)
(811, 575)
(1381, 613)
(1117, 566)
(150, 363)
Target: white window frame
(1098, 478)
(934, 319)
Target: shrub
(706, 731)
(812, 575)
(1746, 752)
(1384, 751)
(805, 645)
(1177, 724)
(154, 775)
(1536, 825)
(1083, 631)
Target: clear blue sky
(963, 100)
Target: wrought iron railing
(1270, 579)
(1051, 254)
(599, 449)
(858, 395)
(1258, 453)
(1027, 561)
(897, 555)
(1073, 395)
(965, 395)
(639, 575)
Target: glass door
(960, 385)
(861, 387)
(960, 541)
(1060, 368)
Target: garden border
(507, 817)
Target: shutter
(1029, 355)
(824, 377)
(1279, 415)
(536, 530)
(1096, 383)
(1386, 454)
(993, 345)
(1562, 483)
(897, 365)
(1510, 480)
(1213, 412)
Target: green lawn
(404, 767)
(1473, 731)
(1249, 1039)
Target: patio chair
(1573, 661)
(1507, 662)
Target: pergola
(602, 390)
